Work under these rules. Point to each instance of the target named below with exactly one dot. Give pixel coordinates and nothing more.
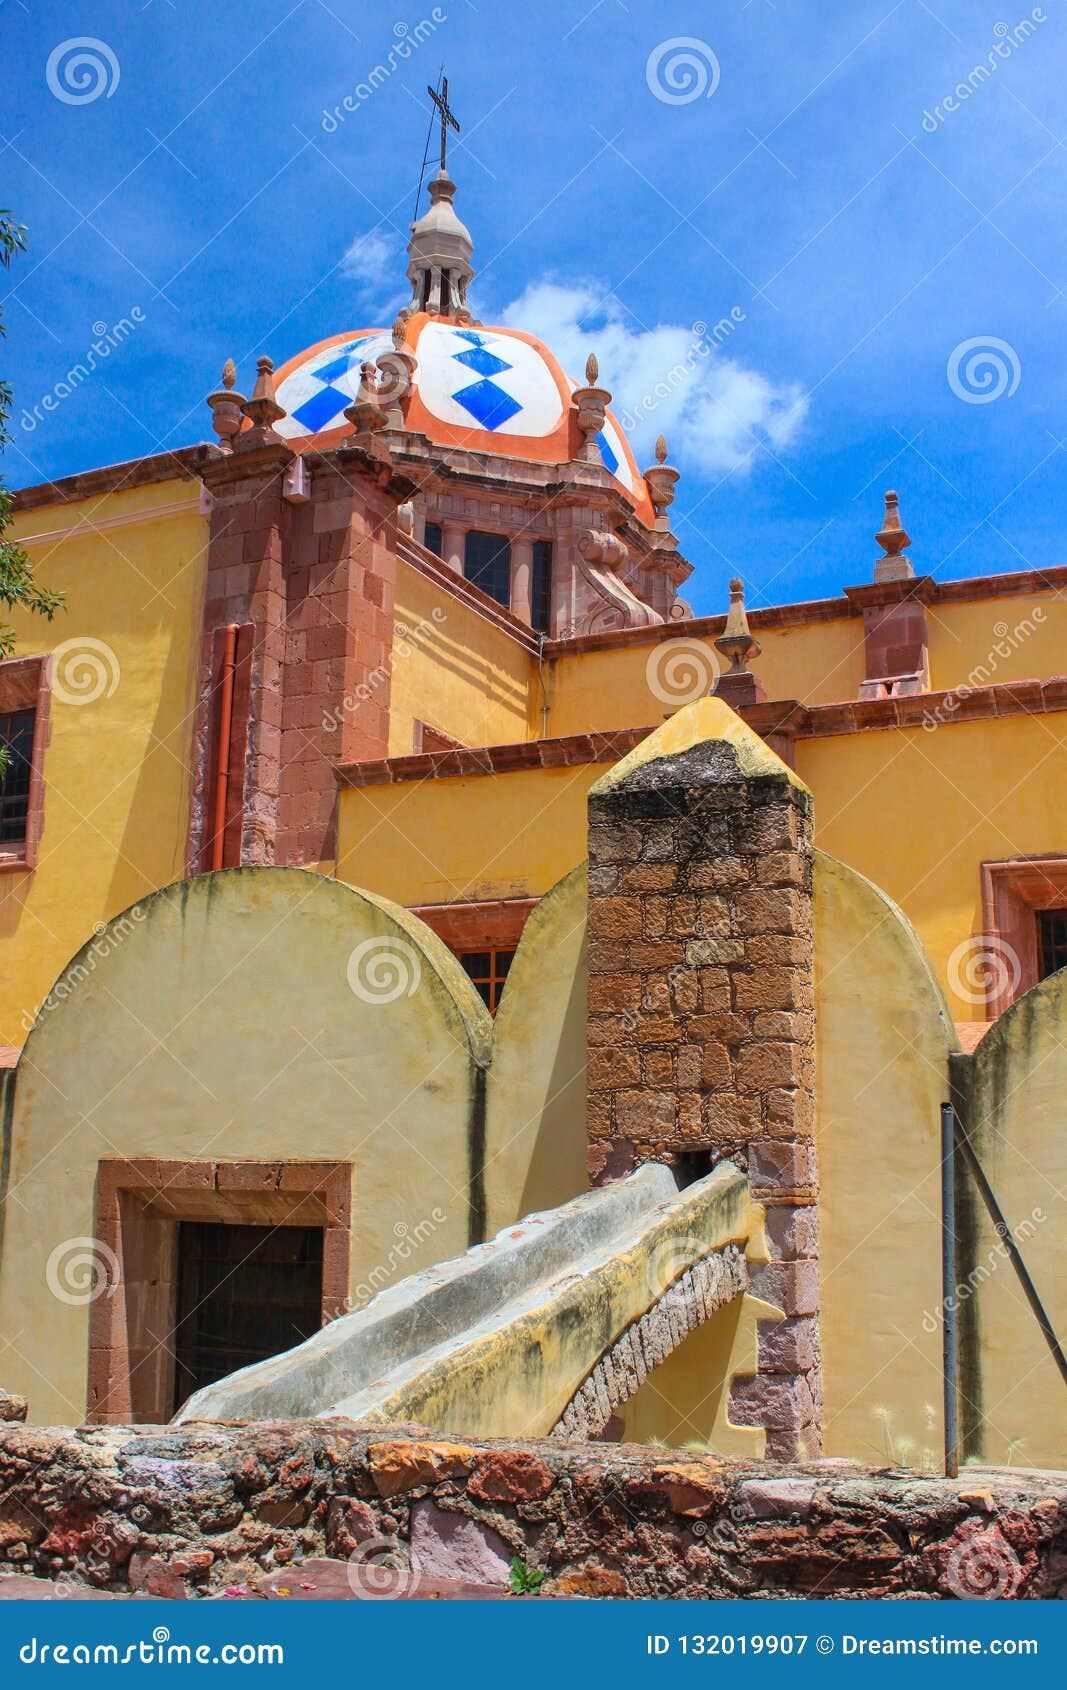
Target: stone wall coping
(852, 603)
(788, 717)
(194, 1510)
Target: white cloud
(376, 263)
(715, 412)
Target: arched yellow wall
(882, 1044)
(1016, 1117)
(536, 1137)
(252, 1015)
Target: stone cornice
(186, 464)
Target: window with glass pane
(431, 538)
(541, 585)
(1051, 940)
(487, 971)
(16, 736)
(487, 562)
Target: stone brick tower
(701, 1009)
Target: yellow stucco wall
(883, 1038)
(242, 1016)
(634, 686)
(919, 812)
(975, 642)
(116, 770)
(495, 836)
(915, 812)
(1015, 1116)
(981, 642)
(455, 671)
(535, 1089)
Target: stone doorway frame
(139, 1204)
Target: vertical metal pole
(949, 1342)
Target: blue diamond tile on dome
(321, 409)
(484, 362)
(611, 462)
(488, 404)
(342, 362)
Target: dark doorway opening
(244, 1293)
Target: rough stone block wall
(701, 1015)
(201, 1510)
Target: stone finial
(661, 480)
(893, 539)
(591, 403)
(226, 407)
(263, 408)
(398, 375)
(737, 642)
(365, 413)
(738, 645)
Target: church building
(413, 599)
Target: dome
(484, 389)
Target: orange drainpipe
(222, 764)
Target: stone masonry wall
(206, 1509)
(314, 581)
(701, 1025)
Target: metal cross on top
(440, 100)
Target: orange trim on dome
(560, 445)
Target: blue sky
(803, 180)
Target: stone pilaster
(311, 582)
(701, 1009)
